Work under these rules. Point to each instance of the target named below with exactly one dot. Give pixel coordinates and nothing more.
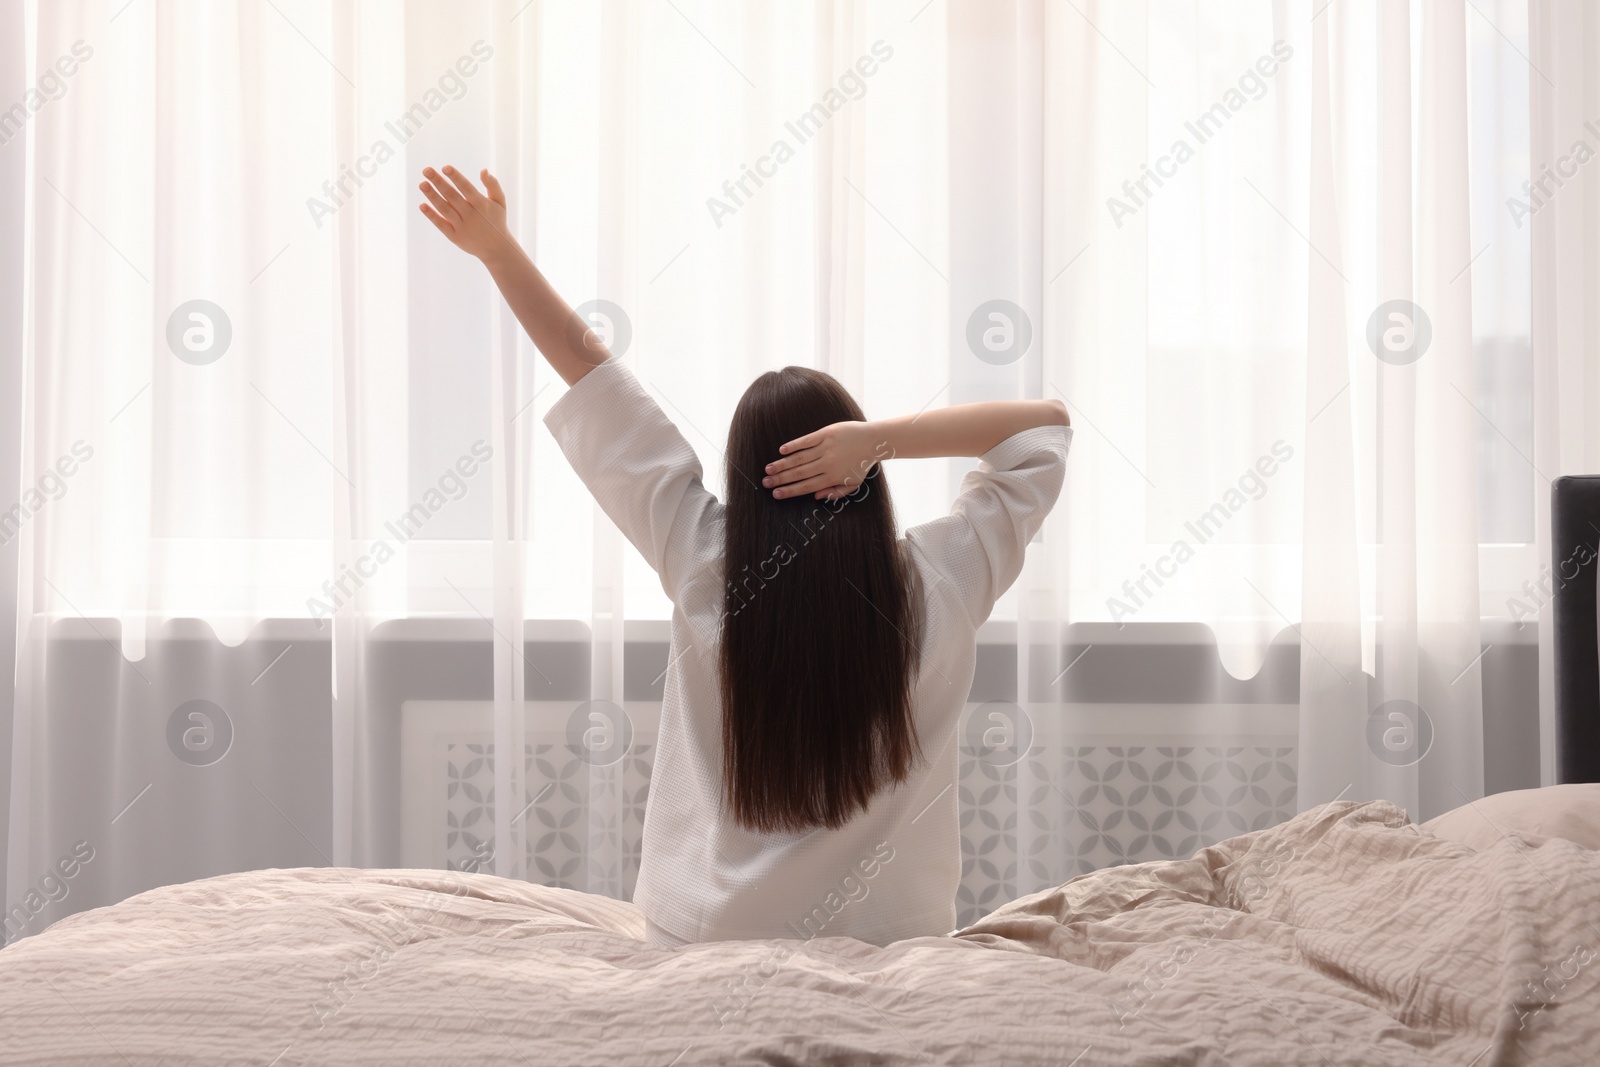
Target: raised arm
(475, 222)
(618, 440)
(831, 461)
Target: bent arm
(979, 548)
(832, 461)
(965, 429)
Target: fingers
(792, 474)
(440, 204)
(492, 184)
(463, 183)
(780, 465)
(438, 220)
(810, 485)
(447, 190)
(807, 441)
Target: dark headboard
(1574, 544)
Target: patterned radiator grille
(1060, 811)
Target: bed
(1345, 935)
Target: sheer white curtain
(255, 624)
(1230, 197)
(1422, 708)
(1564, 46)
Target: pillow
(1571, 811)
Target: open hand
(475, 222)
(828, 463)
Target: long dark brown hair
(820, 628)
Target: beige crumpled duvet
(1344, 936)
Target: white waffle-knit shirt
(891, 872)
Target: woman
(804, 781)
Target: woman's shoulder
(936, 599)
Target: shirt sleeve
(641, 471)
(980, 546)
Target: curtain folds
(1564, 98)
